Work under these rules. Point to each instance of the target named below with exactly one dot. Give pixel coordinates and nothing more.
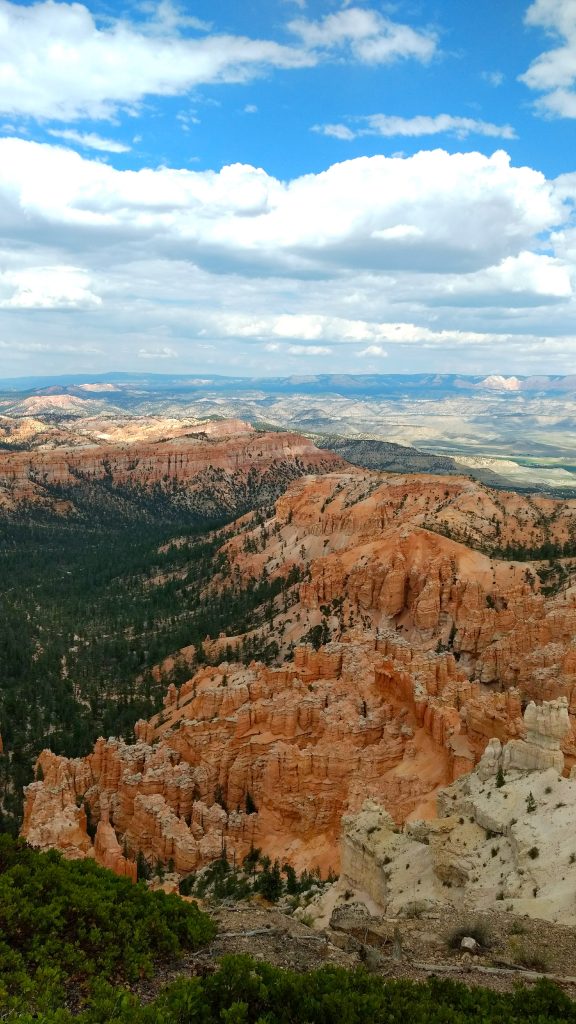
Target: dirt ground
(517, 950)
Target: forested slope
(102, 578)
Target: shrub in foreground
(64, 926)
(243, 991)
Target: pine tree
(142, 867)
(270, 882)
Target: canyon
(410, 639)
(511, 432)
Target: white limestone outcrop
(502, 839)
(546, 726)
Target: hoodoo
(407, 644)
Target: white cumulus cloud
(59, 287)
(553, 73)
(434, 251)
(342, 331)
(370, 36)
(57, 62)
(527, 279)
(373, 212)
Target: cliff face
(428, 648)
(302, 744)
(375, 540)
(216, 465)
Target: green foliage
(500, 780)
(243, 991)
(530, 803)
(73, 935)
(74, 926)
(250, 805)
(222, 881)
(269, 882)
(548, 551)
(318, 635)
(251, 859)
(143, 871)
(291, 879)
(186, 885)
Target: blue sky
(264, 186)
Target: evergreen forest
(90, 603)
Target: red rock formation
(435, 649)
(107, 850)
(306, 741)
(204, 457)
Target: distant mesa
(103, 387)
(498, 383)
(216, 468)
(42, 404)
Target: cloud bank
(432, 253)
(553, 73)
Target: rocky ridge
(103, 427)
(210, 466)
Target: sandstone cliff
(302, 744)
(216, 467)
(505, 840)
(305, 741)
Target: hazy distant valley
(506, 431)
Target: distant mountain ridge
(431, 383)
